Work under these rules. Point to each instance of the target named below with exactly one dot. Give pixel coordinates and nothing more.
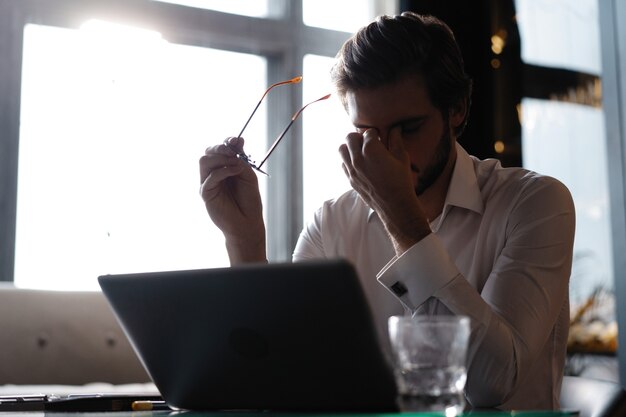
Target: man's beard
(434, 170)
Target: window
(566, 141)
(565, 137)
(560, 33)
(345, 15)
(109, 144)
(117, 101)
(256, 8)
(325, 128)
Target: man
(430, 229)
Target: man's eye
(410, 128)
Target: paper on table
(96, 387)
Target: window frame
(282, 38)
(612, 14)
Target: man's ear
(457, 113)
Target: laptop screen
(291, 336)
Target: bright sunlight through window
(111, 133)
(344, 15)
(324, 130)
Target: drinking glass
(430, 354)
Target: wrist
(405, 238)
(406, 225)
(247, 249)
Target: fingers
(231, 147)
(372, 144)
(215, 177)
(234, 144)
(350, 152)
(347, 166)
(358, 149)
(354, 143)
(370, 135)
(214, 170)
(213, 161)
(221, 156)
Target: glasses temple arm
(275, 144)
(292, 81)
(284, 132)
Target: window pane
(560, 33)
(344, 15)
(567, 141)
(255, 8)
(113, 122)
(325, 126)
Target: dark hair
(393, 47)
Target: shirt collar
(463, 190)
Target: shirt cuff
(418, 273)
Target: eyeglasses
(247, 158)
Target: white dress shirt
(500, 253)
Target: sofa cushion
(63, 337)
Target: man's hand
(230, 191)
(383, 178)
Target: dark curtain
(497, 78)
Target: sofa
(64, 338)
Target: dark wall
(497, 77)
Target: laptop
(277, 337)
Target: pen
(149, 405)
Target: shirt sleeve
(309, 245)
(414, 276)
(517, 309)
